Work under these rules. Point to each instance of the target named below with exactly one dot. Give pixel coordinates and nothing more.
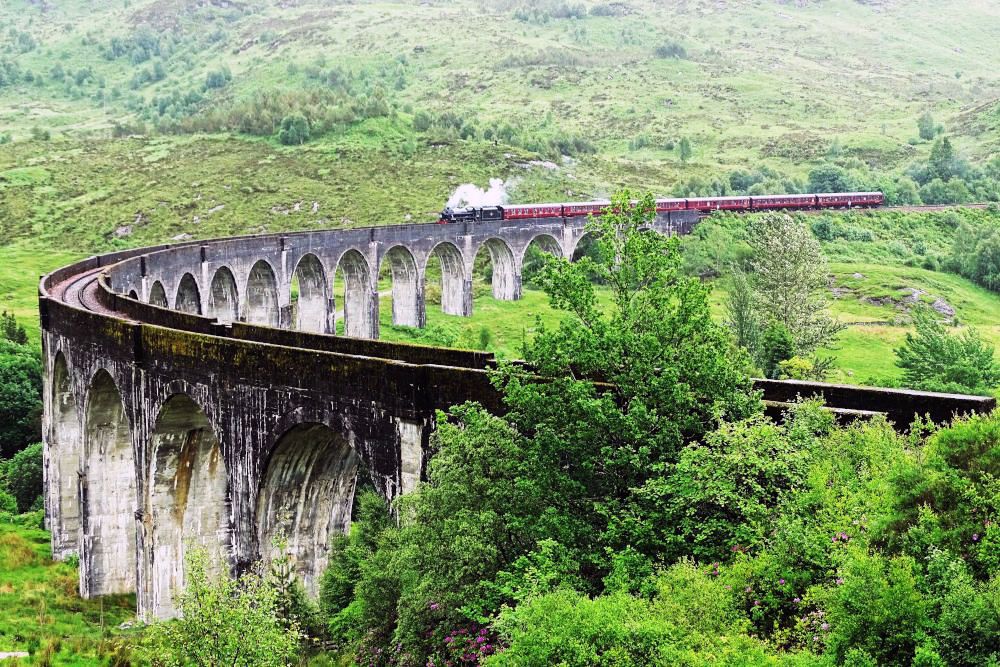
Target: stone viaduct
(195, 396)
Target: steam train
(702, 205)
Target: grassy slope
(39, 606)
(765, 83)
(768, 81)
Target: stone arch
(312, 305)
(187, 501)
(132, 294)
(223, 296)
(360, 301)
(188, 298)
(261, 296)
(506, 272)
(63, 462)
(456, 288)
(532, 258)
(109, 501)
(582, 245)
(158, 295)
(407, 295)
(306, 496)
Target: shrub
(671, 49)
(223, 621)
(22, 477)
(294, 130)
(934, 360)
(20, 397)
(877, 608)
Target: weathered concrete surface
(166, 428)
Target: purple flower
(434, 606)
(756, 603)
(796, 600)
(815, 638)
(975, 537)
(840, 581)
(825, 626)
(781, 581)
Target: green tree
(685, 148)
(20, 397)
(926, 127)
(741, 312)
(829, 178)
(22, 476)
(11, 330)
(776, 346)
(614, 395)
(934, 360)
(984, 262)
(789, 277)
(422, 121)
(224, 621)
(942, 159)
(294, 130)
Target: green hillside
(142, 121)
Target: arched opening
(494, 263)
(132, 294)
(261, 305)
(586, 246)
(223, 297)
(188, 297)
(64, 462)
(534, 258)
(306, 497)
(399, 279)
(446, 269)
(109, 494)
(158, 295)
(187, 505)
(310, 296)
(359, 314)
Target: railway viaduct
(195, 397)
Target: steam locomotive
(702, 205)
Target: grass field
(764, 81)
(873, 300)
(40, 610)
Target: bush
(691, 619)
(22, 477)
(877, 609)
(671, 49)
(724, 494)
(294, 130)
(223, 621)
(218, 78)
(20, 397)
(934, 360)
(950, 501)
(8, 503)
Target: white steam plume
(470, 195)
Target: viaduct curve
(194, 396)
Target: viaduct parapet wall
(194, 396)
